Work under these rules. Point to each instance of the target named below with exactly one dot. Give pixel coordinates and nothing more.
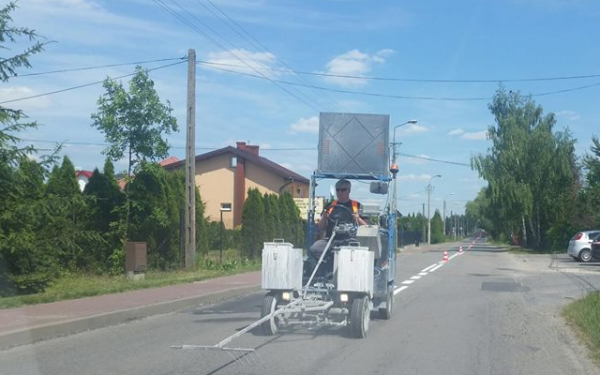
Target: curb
(54, 330)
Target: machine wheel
(386, 312)
(359, 317)
(585, 255)
(269, 305)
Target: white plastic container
(354, 267)
(281, 266)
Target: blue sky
(418, 40)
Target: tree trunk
(524, 230)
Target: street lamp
(394, 144)
(394, 169)
(429, 208)
(445, 211)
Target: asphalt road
(483, 312)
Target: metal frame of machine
(361, 278)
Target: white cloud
(309, 125)
(252, 62)
(16, 92)
(380, 56)
(412, 129)
(456, 132)
(569, 115)
(475, 136)
(354, 63)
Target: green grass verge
(75, 286)
(521, 250)
(584, 316)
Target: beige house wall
(264, 180)
(214, 178)
(267, 181)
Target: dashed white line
(428, 268)
(436, 267)
(423, 274)
(455, 255)
(399, 289)
(415, 277)
(407, 282)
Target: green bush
(31, 283)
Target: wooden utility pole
(190, 166)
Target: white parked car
(580, 245)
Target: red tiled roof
(167, 161)
(87, 174)
(259, 160)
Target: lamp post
(394, 168)
(445, 211)
(394, 144)
(429, 209)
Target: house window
(225, 207)
(233, 162)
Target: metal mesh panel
(353, 143)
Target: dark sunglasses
(342, 189)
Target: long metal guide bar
(240, 353)
(248, 354)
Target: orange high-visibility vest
(354, 206)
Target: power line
(407, 97)
(85, 85)
(420, 80)
(291, 70)
(436, 160)
(210, 38)
(254, 42)
(362, 92)
(78, 143)
(100, 67)
(217, 148)
(567, 90)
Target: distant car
(580, 246)
(596, 247)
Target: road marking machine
(354, 276)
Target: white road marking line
(428, 268)
(435, 268)
(415, 277)
(455, 255)
(423, 274)
(399, 289)
(407, 282)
